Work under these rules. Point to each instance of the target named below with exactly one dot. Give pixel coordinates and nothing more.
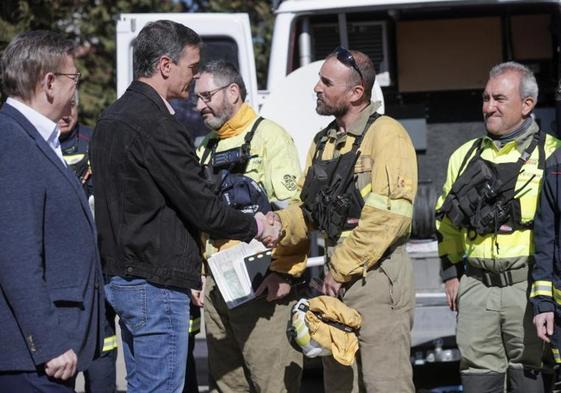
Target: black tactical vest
(484, 199)
(225, 175)
(331, 200)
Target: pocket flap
(67, 294)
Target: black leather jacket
(151, 200)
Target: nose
(489, 105)
(200, 104)
(317, 87)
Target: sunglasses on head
(346, 57)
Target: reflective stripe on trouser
(495, 329)
(385, 298)
(109, 343)
(194, 325)
(247, 346)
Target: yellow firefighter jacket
(387, 178)
(274, 165)
(502, 251)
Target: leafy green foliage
(262, 19)
(91, 23)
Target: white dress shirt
(47, 128)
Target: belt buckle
(491, 279)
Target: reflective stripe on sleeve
(397, 206)
(542, 288)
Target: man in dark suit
(50, 279)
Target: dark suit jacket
(51, 287)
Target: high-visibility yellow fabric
(513, 249)
(109, 343)
(195, 325)
(542, 288)
(238, 123)
(72, 159)
(387, 168)
(275, 166)
(343, 345)
(556, 355)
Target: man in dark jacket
(51, 300)
(151, 204)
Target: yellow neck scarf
(238, 123)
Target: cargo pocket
(392, 301)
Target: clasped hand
(271, 225)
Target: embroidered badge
(289, 182)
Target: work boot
(483, 383)
(523, 380)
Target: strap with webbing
(210, 148)
(330, 322)
(356, 144)
(495, 279)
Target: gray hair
(224, 74)
(528, 85)
(28, 57)
(157, 39)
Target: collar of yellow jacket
(238, 123)
(357, 127)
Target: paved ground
(312, 381)
(430, 378)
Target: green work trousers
(385, 299)
(248, 350)
(495, 332)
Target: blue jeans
(154, 324)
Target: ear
(47, 85)
(164, 65)
(528, 104)
(233, 93)
(357, 93)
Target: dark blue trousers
(33, 382)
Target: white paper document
(230, 273)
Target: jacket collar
(521, 142)
(150, 93)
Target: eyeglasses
(206, 96)
(346, 57)
(74, 76)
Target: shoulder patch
(289, 182)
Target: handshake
(270, 229)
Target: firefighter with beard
(253, 164)
(360, 183)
